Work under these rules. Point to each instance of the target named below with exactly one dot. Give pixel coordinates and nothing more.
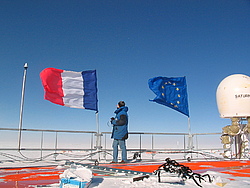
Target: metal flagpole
(98, 136)
(190, 139)
(21, 106)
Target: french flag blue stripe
(90, 90)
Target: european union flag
(171, 92)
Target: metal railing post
(55, 154)
(105, 147)
(152, 142)
(91, 145)
(41, 146)
(140, 147)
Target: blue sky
(127, 42)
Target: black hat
(121, 103)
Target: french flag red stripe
(52, 83)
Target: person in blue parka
(120, 131)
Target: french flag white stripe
(73, 89)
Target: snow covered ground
(219, 179)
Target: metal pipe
(152, 137)
(42, 145)
(140, 147)
(91, 144)
(56, 143)
(21, 106)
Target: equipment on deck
(173, 167)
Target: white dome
(233, 96)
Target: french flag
(69, 88)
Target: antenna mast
(21, 106)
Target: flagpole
(21, 106)
(190, 139)
(189, 127)
(98, 136)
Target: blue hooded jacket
(120, 124)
